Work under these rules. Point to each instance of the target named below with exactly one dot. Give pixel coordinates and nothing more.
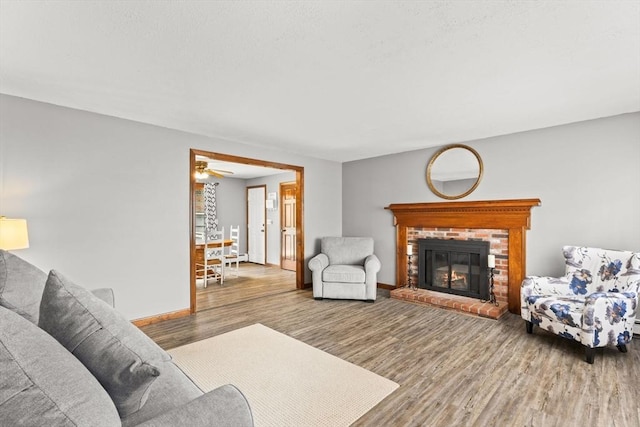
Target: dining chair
(234, 250)
(212, 266)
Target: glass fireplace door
(453, 266)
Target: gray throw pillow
(21, 286)
(41, 383)
(118, 354)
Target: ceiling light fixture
(202, 171)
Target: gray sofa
(345, 268)
(68, 358)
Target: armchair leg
(370, 301)
(529, 327)
(622, 348)
(590, 354)
(317, 298)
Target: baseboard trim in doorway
(160, 317)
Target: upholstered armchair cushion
(347, 250)
(594, 303)
(345, 268)
(344, 273)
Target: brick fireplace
(503, 223)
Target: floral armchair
(594, 303)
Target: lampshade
(13, 233)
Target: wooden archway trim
(299, 171)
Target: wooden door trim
(299, 171)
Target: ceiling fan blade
(214, 173)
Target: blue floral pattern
(594, 303)
(616, 311)
(536, 319)
(596, 333)
(566, 334)
(608, 272)
(563, 313)
(624, 338)
(587, 316)
(533, 298)
(580, 281)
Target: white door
(256, 224)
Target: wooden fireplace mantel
(513, 215)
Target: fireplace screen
(454, 266)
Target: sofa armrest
(609, 318)
(371, 267)
(105, 294)
(372, 264)
(542, 285)
(600, 300)
(224, 406)
(319, 262)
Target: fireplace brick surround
(502, 222)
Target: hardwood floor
(253, 281)
(453, 369)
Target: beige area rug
(287, 382)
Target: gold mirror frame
(437, 155)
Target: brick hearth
(452, 302)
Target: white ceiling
(339, 80)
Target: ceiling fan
(203, 171)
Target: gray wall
(586, 174)
(107, 200)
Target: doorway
(256, 224)
(288, 226)
(298, 171)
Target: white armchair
(594, 303)
(345, 268)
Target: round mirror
(454, 171)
